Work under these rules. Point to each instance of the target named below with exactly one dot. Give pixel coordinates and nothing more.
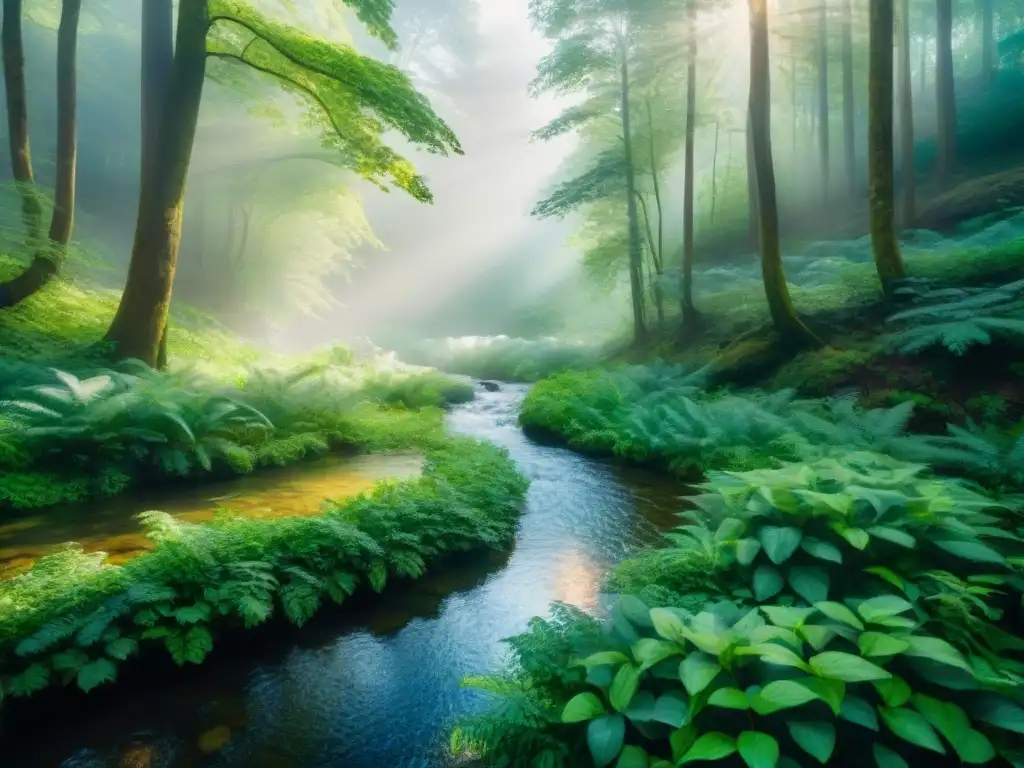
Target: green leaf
(887, 575)
(729, 698)
(819, 637)
(671, 709)
(96, 673)
(782, 694)
(857, 538)
(746, 551)
(779, 542)
(829, 691)
(697, 671)
(911, 727)
(821, 549)
(952, 722)
(758, 750)
(70, 660)
(880, 644)
(810, 582)
(839, 612)
(856, 710)
(681, 740)
(893, 535)
(767, 583)
(192, 614)
(790, 618)
(604, 657)
(937, 650)
(894, 692)
(649, 651)
(837, 665)
(998, 711)
(33, 678)
(886, 758)
(635, 610)
(121, 648)
(878, 608)
(730, 529)
(711, 746)
(774, 653)
(624, 686)
(605, 737)
(818, 739)
(632, 757)
(189, 646)
(974, 551)
(641, 708)
(668, 624)
(582, 707)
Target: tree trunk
(654, 270)
(47, 259)
(753, 214)
(908, 206)
(881, 194)
(791, 330)
(714, 172)
(922, 74)
(823, 122)
(141, 320)
(988, 41)
(689, 311)
(849, 122)
(633, 222)
(657, 251)
(945, 97)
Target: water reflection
(383, 690)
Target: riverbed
(381, 688)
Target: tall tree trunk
(141, 319)
(908, 207)
(790, 328)
(823, 124)
(880, 150)
(689, 312)
(945, 95)
(47, 259)
(922, 74)
(753, 214)
(659, 250)
(714, 172)
(635, 247)
(988, 40)
(849, 122)
(654, 270)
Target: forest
(540, 383)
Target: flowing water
(381, 690)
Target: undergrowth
(73, 618)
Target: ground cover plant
(72, 618)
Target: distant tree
(945, 91)
(908, 206)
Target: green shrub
(417, 390)
(74, 618)
(855, 611)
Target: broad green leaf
(952, 722)
(857, 537)
(821, 549)
(880, 644)
(681, 740)
(697, 671)
(782, 616)
(771, 632)
(668, 624)
(974, 551)
(33, 678)
(839, 612)
(95, 673)
(632, 757)
(70, 660)
(878, 608)
(605, 736)
(779, 542)
(837, 665)
(729, 698)
(819, 637)
(604, 657)
(936, 650)
(641, 708)
(831, 692)
(782, 694)
(893, 535)
(730, 529)
(774, 653)
(998, 711)
(857, 710)
(768, 583)
(649, 651)
(912, 727)
(758, 750)
(121, 648)
(886, 758)
(886, 574)
(671, 709)
(746, 551)
(582, 707)
(818, 739)
(710, 746)
(601, 676)
(894, 692)
(635, 610)
(624, 686)
(810, 582)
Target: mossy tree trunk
(823, 121)
(789, 327)
(753, 214)
(632, 216)
(908, 201)
(141, 319)
(945, 93)
(986, 8)
(688, 309)
(49, 256)
(849, 121)
(880, 145)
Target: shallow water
(109, 525)
(382, 690)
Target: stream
(379, 688)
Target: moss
(821, 372)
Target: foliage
(415, 391)
(73, 618)
(860, 612)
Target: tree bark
(849, 122)
(923, 71)
(656, 252)
(753, 213)
(689, 311)
(908, 206)
(47, 258)
(823, 122)
(988, 40)
(633, 222)
(141, 319)
(789, 327)
(945, 95)
(880, 145)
